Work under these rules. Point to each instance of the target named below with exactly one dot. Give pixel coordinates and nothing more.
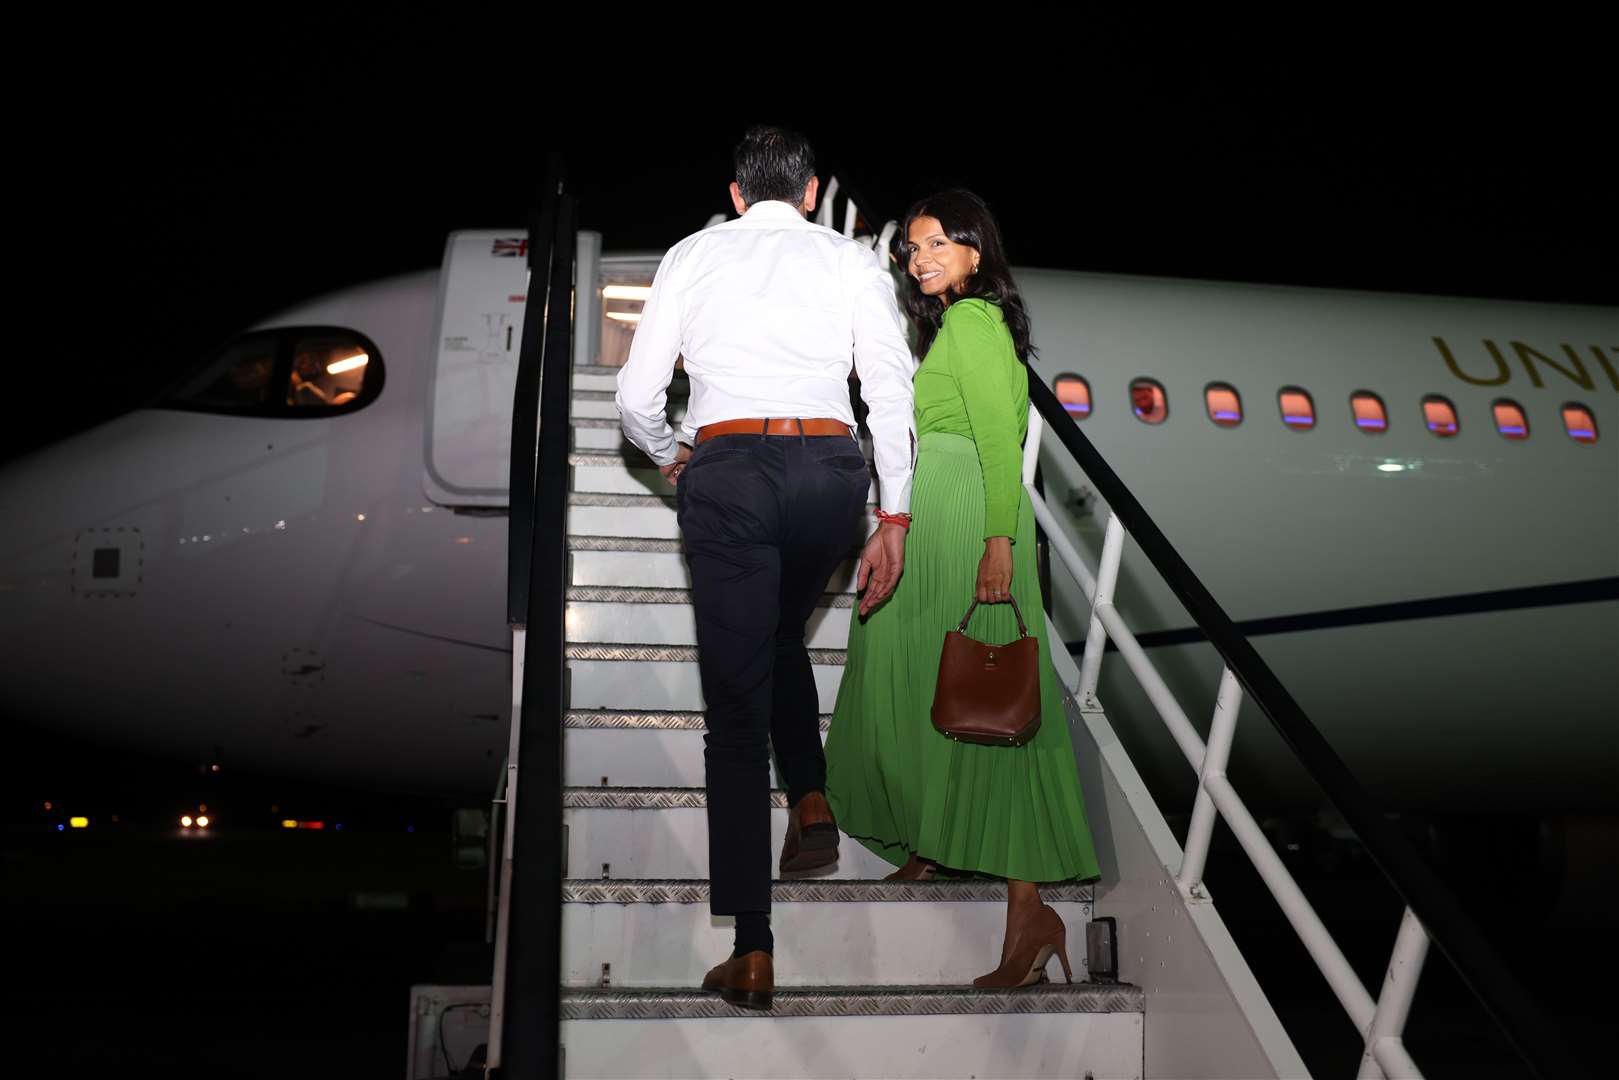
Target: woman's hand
(995, 571)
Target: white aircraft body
(297, 562)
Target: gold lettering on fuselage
(1525, 352)
(1502, 372)
(1532, 360)
(1606, 366)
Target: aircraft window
(327, 371)
(239, 379)
(1580, 423)
(289, 371)
(1370, 416)
(1075, 394)
(1510, 420)
(1440, 415)
(1225, 406)
(1148, 402)
(1298, 411)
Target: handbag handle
(1022, 631)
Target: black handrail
(526, 396)
(531, 1026)
(1450, 928)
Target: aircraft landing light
(202, 823)
(79, 822)
(1391, 466)
(185, 822)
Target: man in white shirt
(769, 311)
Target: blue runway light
(61, 828)
(410, 828)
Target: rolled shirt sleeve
(643, 383)
(883, 361)
(977, 344)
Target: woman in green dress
(908, 793)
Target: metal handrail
(529, 968)
(1432, 912)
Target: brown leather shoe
(748, 981)
(812, 835)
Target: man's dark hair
(773, 163)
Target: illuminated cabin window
(1224, 404)
(1074, 393)
(1440, 415)
(1580, 423)
(289, 371)
(1367, 407)
(1148, 402)
(1298, 410)
(1510, 420)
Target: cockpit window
(286, 372)
(239, 379)
(326, 372)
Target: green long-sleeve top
(971, 383)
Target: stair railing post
(1385, 1054)
(1204, 813)
(1107, 575)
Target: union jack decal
(510, 249)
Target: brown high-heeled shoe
(915, 869)
(1029, 947)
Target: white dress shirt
(769, 311)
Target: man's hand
(880, 565)
(671, 472)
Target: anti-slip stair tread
(643, 544)
(684, 1003)
(644, 798)
(627, 594)
(645, 719)
(676, 653)
(619, 499)
(815, 891)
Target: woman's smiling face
(940, 266)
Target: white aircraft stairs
(874, 978)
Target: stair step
(652, 563)
(600, 679)
(598, 405)
(644, 719)
(662, 833)
(865, 933)
(638, 756)
(601, 614)
(603, 514)
(901, 1032)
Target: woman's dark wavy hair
(966, 220)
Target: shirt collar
(772, 210)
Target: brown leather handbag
(988, 693)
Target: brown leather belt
(778, 426)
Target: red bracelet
(902, 520)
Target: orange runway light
(79, 822)
(289, 824)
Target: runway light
(79, 822)
(289, 824)
(1391, 466)
(311, 824)
(213, 768)
(61, 828)
(202, 808)
(337, 367)
(202, 822)
(185, 821)
(47, 806)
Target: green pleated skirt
(896, 784)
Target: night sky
(174, 211)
